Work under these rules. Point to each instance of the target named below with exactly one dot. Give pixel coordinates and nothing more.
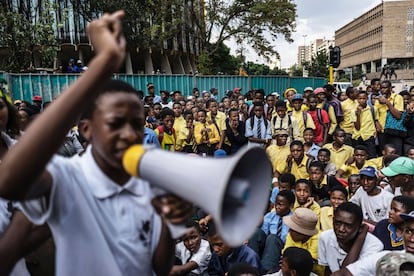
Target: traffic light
(334, 56)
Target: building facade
(380, 37)
(305, 53)
(175, 55)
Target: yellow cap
(131, 159)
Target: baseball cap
(318, 90)
(237, 89)
(220, 153)
(401, 165)
(308, 89)
(408, 216)
(37, 98)
(368, 171)
(395, 263)
(150, 85)
(297, 97)
(275, 94)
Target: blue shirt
(150, 137)
(270, 222)
(243, 254)
(313, 151)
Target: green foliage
(219, 62)
(255, 23)
(319, 66)
(29, 39)
(296, 71)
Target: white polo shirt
(201, 257)
(330, 254)
(367, 266)
(5, 218)
(99, 227)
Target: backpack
(161, 133)
(252, 122)
(67, 149)
(304, 115)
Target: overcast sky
(317, 19)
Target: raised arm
(22, 171)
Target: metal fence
(24, 86)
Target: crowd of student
(341, 197)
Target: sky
(316, 19)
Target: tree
(255, 23)
(319, 65)
(296, 71)
(220, 62)
(28, 34)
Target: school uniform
(339, 156)
(202, 257)
(106, 229)
(332, 255)
(387, 233)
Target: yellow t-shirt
(213, 134)
(396, 100)
(168, 140)
(311, 245)
(298, 115)
(353, 169)
(367, 128)
(326, 218)
(314, 207)
(348, 106)
(338, 157)
(300, 170)
(278, 156)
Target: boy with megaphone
(101, 218)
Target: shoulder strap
(326, 106)
(305, 118)
(319, 114)
(160, 134)
(372, 112)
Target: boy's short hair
(406, 201)
(296, 143)
(361, 147)
(233, 110)
(317, 164)
(309, 129)
(187, 112)
(351, 208)
(305, 181)
(328, 152)
(336, 131)
(299, 259)
(209, 101)
(258, 104)
(109, 86)
(290, 197)
(157, 103)
(280, 104)
(165, 112)
(191, 223)
(288, 178)
(362, 92)
(340, 189)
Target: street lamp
(304, 39)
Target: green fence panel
(25, 86)
(183, 83)
(223, 83)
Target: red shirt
(318, 125)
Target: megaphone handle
(177, 230)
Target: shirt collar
(101, 185)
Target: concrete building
(381, 36)
(170, 56)
(305, 53)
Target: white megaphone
(234, 190)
